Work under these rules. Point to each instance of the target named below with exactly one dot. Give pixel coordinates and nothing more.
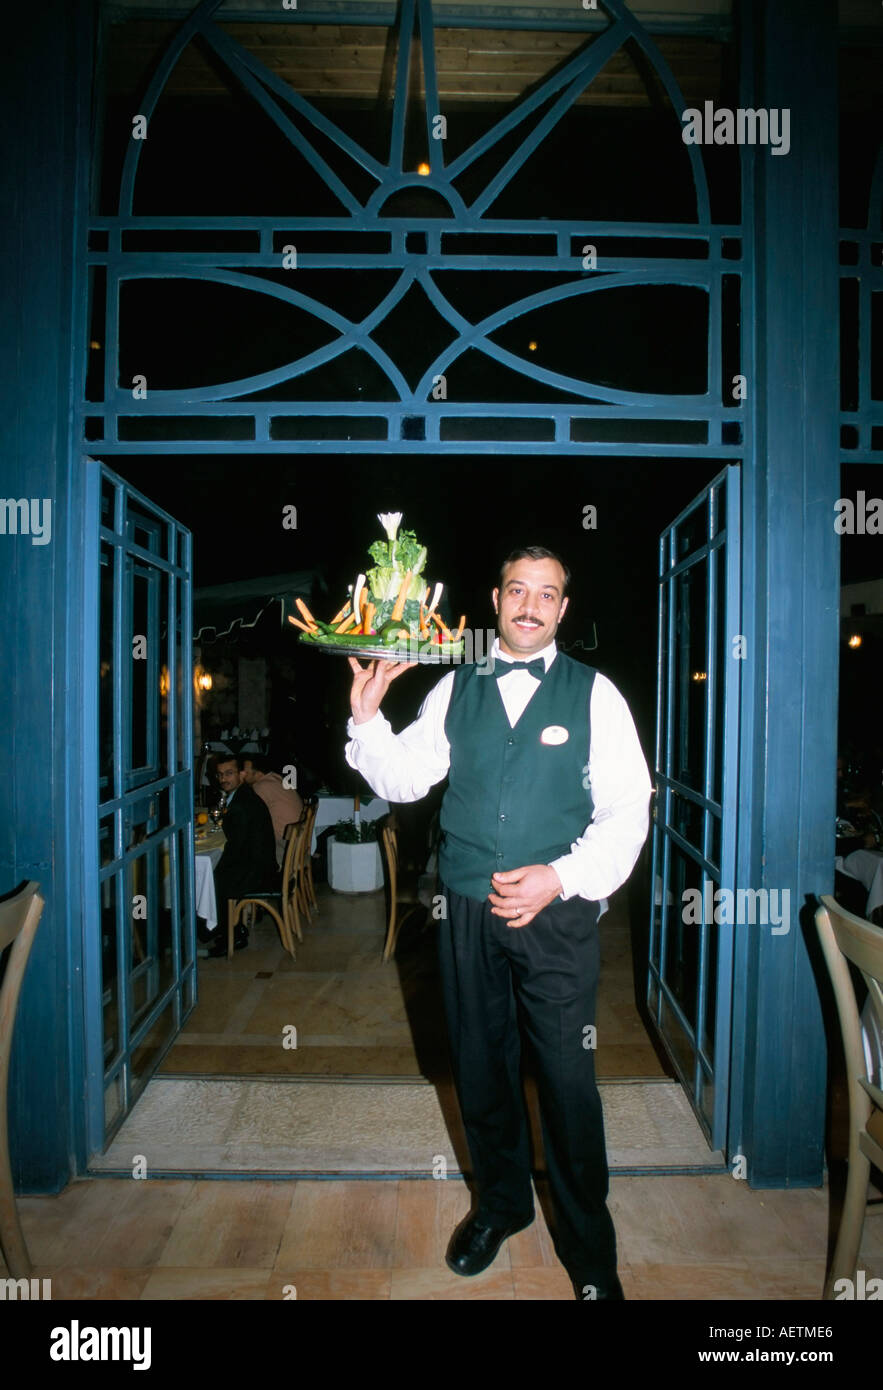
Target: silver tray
(379, 653)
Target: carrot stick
(338, 617)
(443, 629)
(459, 632)
(368, 621)
(399, 606)
(346, 624)
(299, 624)
(424, 630)
(305, 612)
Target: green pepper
(393, 632)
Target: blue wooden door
(689, 989)
(139, 924)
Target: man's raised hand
(370, 684)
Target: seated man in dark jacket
(248, 864)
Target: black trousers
(551, 968)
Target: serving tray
(382, 653)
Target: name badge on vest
(554, 734)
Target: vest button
(502, 817)
(510, 741)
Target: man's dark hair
(534, 552)
(257, 760)
(240, 759)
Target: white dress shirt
(403, 767)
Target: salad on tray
(391, 610)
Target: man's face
(249, 775)
(229, 776)
(529, 606)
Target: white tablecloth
(206, 903)
(334, 808)
(866, 865)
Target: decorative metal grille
(442, 406)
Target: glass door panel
(142, 980)
(694, 832)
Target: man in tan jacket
(284, 803)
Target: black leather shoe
(589, 1291)
(240, 941)
(474, 1245)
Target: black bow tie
(536, 668)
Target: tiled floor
(691, 1238)
(686, 1238)
(356, 1016)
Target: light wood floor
(685, 1238)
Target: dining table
(208, 845)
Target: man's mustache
(528, 618)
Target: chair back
(411, 902)
(391, 855)
(845, 937)
(19, 919)
(294, 837)
(311, 810)
(302, 846)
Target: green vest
(514, 798)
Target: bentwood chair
(846, 938)
(286, 914)
(299, 901)
(397, 898)
(308, 900)
(19, 918)
(296, 836)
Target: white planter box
(354, 868)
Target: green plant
(346, 832)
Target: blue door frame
(139, 929)
(690, 974)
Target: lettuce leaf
(392, 561)
(404, 553)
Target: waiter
(544, 816)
